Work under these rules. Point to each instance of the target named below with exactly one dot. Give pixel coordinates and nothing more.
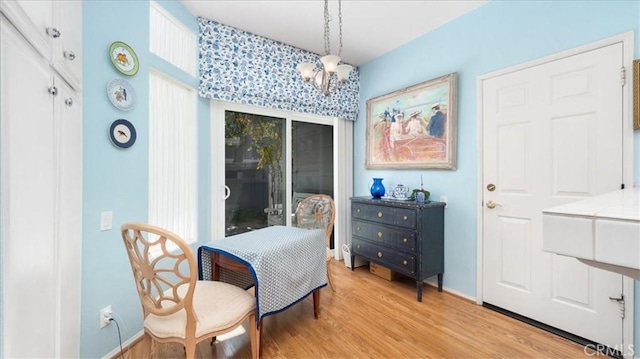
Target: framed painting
(636, 94)
(414, 128)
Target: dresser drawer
(393, 259)
(387, 215)
(398, 238)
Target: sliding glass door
(271, 160)
(254, 171)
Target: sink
(602, 231)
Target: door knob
(69, 55)
(492, 205)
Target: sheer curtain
(172, 156)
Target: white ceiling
(370, 28)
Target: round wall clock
(122, 133)
(123, 58)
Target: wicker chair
(318, 212)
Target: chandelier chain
(327, 37)
(340, 27)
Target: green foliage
(265, 134)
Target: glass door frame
(218, 109)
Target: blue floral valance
(238, 66)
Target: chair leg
(329, 278)
(190, 349)
(254, 332)
(152, 347)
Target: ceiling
(370, 27)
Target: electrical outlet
(444, 199)
(106, 314)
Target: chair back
(164, 268)
(317, 211)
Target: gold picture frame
(414, 128)
(636, 94)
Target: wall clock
(122, 133)
(123, 58)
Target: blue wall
(496, 35)
(114, 179)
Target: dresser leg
(353, 262)
(439, 282)
(419, 290)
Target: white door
(28, 199)
(552, 134)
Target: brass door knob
(492, 205)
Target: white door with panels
(552, 134)
(40, 191)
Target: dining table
(286, 264)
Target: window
(171, 40)
(172, 156)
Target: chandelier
(331, 76)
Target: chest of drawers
(405, 236)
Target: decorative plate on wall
(121, 94)
(122, 133)
(123, 58)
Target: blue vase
(377, 189)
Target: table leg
(215, 267)
(439, 282)
(353, 262)
(316, 303)
(419, 285)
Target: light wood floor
(369, 317)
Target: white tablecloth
(287, 263)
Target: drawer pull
(357, 228)
(379, 254)
(404, 262)
(404, 240)
(405, 218)
(358, 246)
(379, 214)
(358, 210)
(379, 234)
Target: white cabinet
(40, 203)
(66, 54)
(54, 28)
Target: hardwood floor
(369, 317)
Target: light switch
(105, 220)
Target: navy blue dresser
(404, 236)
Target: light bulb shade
(306, 70)
(330, 63)
(343, 72)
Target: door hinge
(623, 76)
(620, 304)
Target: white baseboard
(452, 291)
(116, 352)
